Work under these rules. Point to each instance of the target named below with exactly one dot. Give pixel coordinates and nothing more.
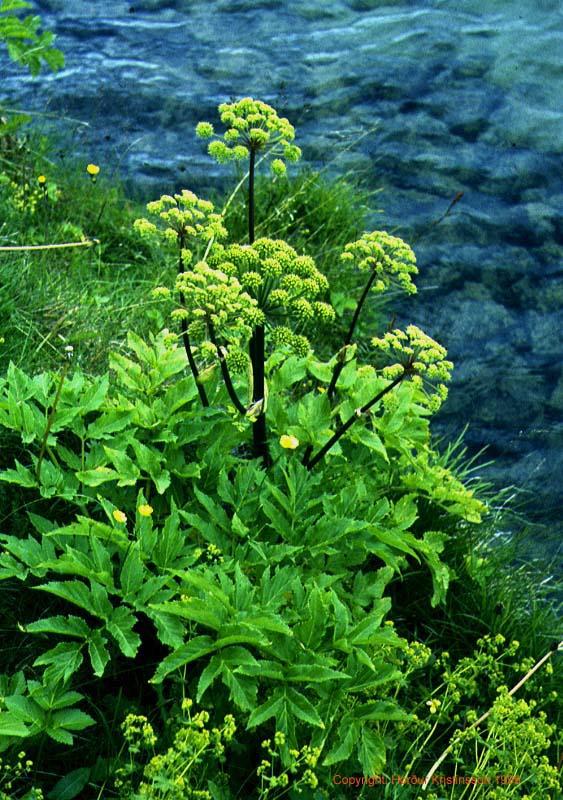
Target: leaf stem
(225, 370)
(185, 336)
(358, 413)
(339, 366)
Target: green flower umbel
(422, 358)
(212, 297)
(389, 258)
(285, 285)
(251, 126)
(182, 218)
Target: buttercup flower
(433, 705)
(119, 516)
(289, 442)
(93, 170)
(145, 510)
(41, 179)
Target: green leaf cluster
(26, 45)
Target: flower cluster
(252, 125)
(181, 768)
(211, 297)
(25, 197)
(286, 285)
(184, 217)
(138, 733)
(390, 258)
(421, 357)
(10, 775)
(299, 770)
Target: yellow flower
(119, 516)
(92, 169)
(145, 510)
(433, 705)
(289, 442)
(41, 179)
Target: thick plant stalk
(351, 420)
(186, 338)
(257, 342)
(251, 171)
(225, 370)
(339, 366)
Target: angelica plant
(236, 299)
(390, 262)
(252, 127)
(184, 220)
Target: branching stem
(185, 336)
(339, 366)
(225, 370)
(257, 341)
(359, 412)
(484, 716)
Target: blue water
(424, 99)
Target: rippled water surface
(467, 97)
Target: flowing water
(425, 99)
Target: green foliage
(173, 539)
(26, 45)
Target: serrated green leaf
(303, 708)
(346, 738)
(74, 592)
(190, 651)
(271, 708)
(96, 477)
(195, 609)
(70, 785)
(72, 719)
(371, 751)
(209, 674)
(12, 725)
(98, 653)
(126, 467)
(109, 423)
(380, 710)
(242, 689)
(133, 572)
(64, 626)
(313, 673)
(120, 626)
(311, 630)
(20, 476)
(61, 661)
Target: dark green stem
(257, 342)
(340, 364)
(185, 336)
(351, 420)
(251, 170)
(259, 432)
(225, 370)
